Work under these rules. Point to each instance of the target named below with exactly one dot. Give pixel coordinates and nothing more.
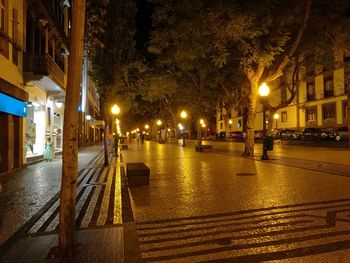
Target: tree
(183, 44)
(110, 31)
(67, 232)
(260, 34)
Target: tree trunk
(271, 125)
(105, 144)
(348, 110)
(250, 126)
(104, 106)
(67, 231)
(199, 134)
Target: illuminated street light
(115, 109)
(159, 122)
(183, 114)
(264, 91)
(201, 121)
(146, 126)
(117, 121)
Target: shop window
(283, 116)
(328, 111)
(328, 87)
(310, 91)
(311, 114)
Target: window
(345, 109)
(328, 87)
(328, 111)
(4, 44)
(310, 91)
(311, 114)
(15, 35)
(3, 14)
(283, 116)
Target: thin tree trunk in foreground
(67, 231)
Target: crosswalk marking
(251, 236)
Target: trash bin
(268, 143)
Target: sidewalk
(102, 233)
(208, 206)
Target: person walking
(48, 152)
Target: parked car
(316, 134)
(259, 135)
(289, 134)
(236, 135)
(220, 136)
(341, 134)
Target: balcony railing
(44, 65)
(328, 93)
(310, 97)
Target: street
(208, 206)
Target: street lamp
(264, 91)
(115, 111)
(183, 116)
(146, 126)
(276, 116)
(159, 122)
(230, 124)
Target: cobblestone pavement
(219, 207)
(31, 191)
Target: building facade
(320, 101)
(13, 96)
(45, 73)
(89, 110)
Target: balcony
(328, 93)
(42, 69)
(310, 97)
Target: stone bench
(137, 174)
(200, 148)
(124, 146)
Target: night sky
(143, 23)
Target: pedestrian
(142, 138)
(48, 153)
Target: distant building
(321, 100)
(89, 110)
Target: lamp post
(159, 122)
(183, 116)
(230, 125)
(264, 91)
(115, 111)
(276, 116)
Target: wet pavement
(28, 190)
(217, 206)
(199, 206)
